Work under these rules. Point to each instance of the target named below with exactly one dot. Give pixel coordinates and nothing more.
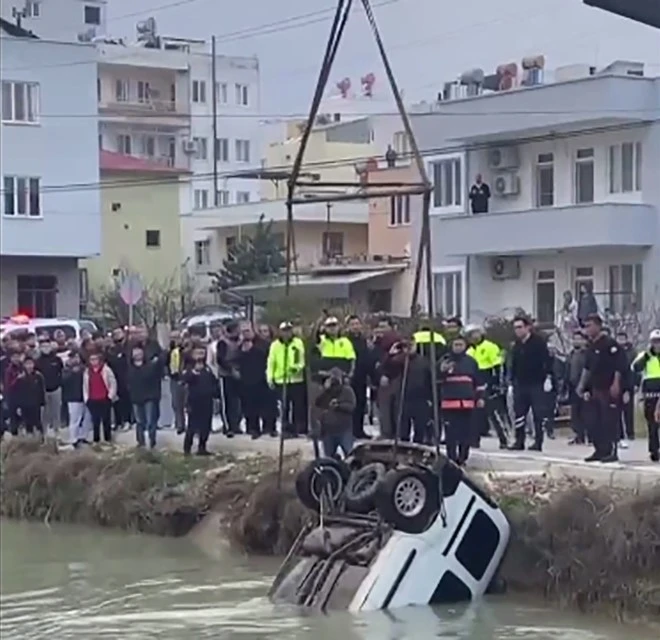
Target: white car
(405, 527)
(21, 325)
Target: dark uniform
(604, 360)
(461, 389)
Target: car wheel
(362, 486)
(409, 499)
(319, 475)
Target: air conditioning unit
(506, 184)
(503, 158)
(505, 268)
(189, 146)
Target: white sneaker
(623, 444)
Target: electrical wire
(341, 162)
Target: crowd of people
(328, 382)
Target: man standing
(648, 365)
(227, 351)
(627, 404)
(531, 378)
(363, 371)
(479, 195)
(50, 365)
(601, 387)
(384, 349)
(573, 374)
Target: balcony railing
(166, 107)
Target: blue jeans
(332, 442)
(146, 419)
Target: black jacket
(252, 365)
(29, 391)
(144, 382)
(50, 366)
(531, 362)
(364, 360)
(118, 359)
(202, 388)
(464, 383)
(72, 385)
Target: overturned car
(398, 525)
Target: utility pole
(214, 108)
(328, 213)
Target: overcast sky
(430, 41)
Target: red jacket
(11, 375)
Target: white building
(156, 102)
(49, 163)
(573, 165)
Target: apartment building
(49, 163)
(572, 163)
(157, 98)
(323, 232)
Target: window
(584, 176)
(32, 9)
(401, 143)
(479, 545)
(399, 210)
(92, 15)
(242, 151)
(582, 277)
(222, 149)
(124, 144)
(143, 91)
(201, 151)
(20, 101)
(37, 296)
(545, 295)
(242, 95)
(122, 89)
(223, 198)
(201, 197)
(221, 92)
(83, 285)
(202, 253)
(199, 91)
(333, 244)
(625, 167)
(147, 146)
(625, 288)
(242, 197)
(545, 180)
(447, 177)
(152, 237)
(448, 289)
(22, 196)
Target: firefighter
(648, 365)
(462, 392)
(490, 361)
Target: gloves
(547, 385)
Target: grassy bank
(577, 546)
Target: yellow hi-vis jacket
(649, 366)
(487, 354)
(285, 366)
(425, 337)
(340, 348)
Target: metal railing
(148, 106)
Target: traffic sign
(131, 289)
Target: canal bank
(576, 544)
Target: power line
(341, 162)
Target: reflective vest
(283, 366)
(425, 337)
(651, 377)
(487, 354)
(339, 348)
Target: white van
(202, 324)
(21, 325)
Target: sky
(429, 41)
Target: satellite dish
(146, 28)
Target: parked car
(17, 325)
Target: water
(73, 582)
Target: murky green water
(66, 582)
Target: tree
(252, 259)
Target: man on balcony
(479, 195)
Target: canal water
(64, 582)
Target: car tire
(317, 474)
(362, 486)
(408, 499)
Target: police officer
(490, 361)
(286, 366)
(334, 350)
(648, 365)
(423, 338)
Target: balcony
(153, 112)
(111, 161)
(547, 230)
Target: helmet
(655, 335)
(471, 328)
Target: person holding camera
(336, 404)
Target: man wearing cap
(334, 349)
(285, 368)
(648, 365)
